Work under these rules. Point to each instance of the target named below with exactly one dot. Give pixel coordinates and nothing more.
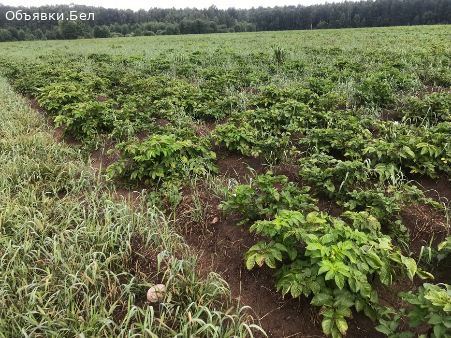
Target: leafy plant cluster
(273, 127)
(379, 88)
(378, 189)
(430, 110)
(430, 305)
(418, 149)
(421, 150)
(169, 156)
(262, 131)
(265, 196)
(334, 259)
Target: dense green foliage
(356, 121)
(168, 156)
(333, 259)
(116, 23)
(431, 305)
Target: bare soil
(239, 167)
(104, 156)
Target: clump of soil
(102, 158)
(237, 166)
(161, 123)
(101, 98)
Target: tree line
(156, 21)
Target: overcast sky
(146, 4)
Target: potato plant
(336, 260)
(431, 306)
(163, 157)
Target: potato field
(278, 184)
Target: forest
(156, 21)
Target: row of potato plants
(337, 260)
(361, 163)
